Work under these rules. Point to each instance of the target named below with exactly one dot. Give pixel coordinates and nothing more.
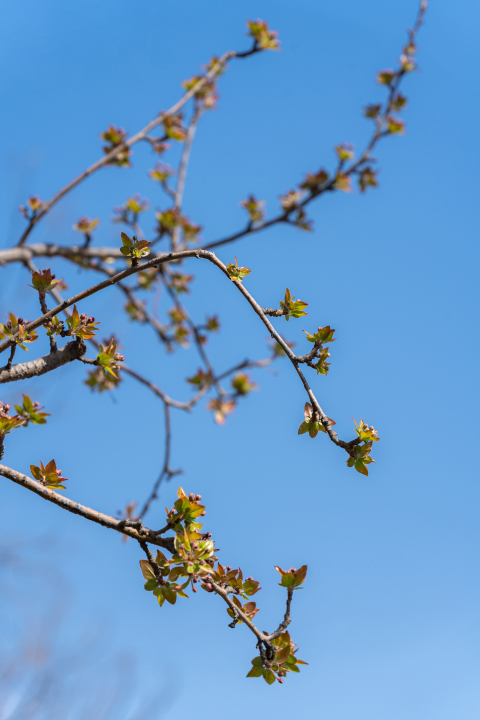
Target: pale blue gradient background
(389, 618)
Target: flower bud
(6, 408)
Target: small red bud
(194, 589)
(6, 408)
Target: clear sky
(389, 617)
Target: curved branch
(211, 257)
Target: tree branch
(141, 135)
(211, 257)
(287, 618)
(72, 351)
(84, 511)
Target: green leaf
(255, 672)
(170, 595)
(268, 676)
(288, 580)
(150, 585)
(257, 661)
(361, 467)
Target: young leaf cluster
(48, 475)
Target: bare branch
(72, 351)
(84, 511)
(287, 618)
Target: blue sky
(388, 619)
